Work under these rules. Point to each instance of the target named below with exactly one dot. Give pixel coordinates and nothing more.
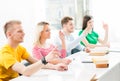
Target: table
(80, 71)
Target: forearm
(32, 60)
(63, 53)
(31, 69)
(95, 45)
(63, 44)
(75, 42)
(106, 37)
(49, 66)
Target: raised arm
(76, 42)
(63, 50)
(87, 44)
(105, 40)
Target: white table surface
(78, 71)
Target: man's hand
(59, 60)
(61, 67)
(87, 49)
(66, 61)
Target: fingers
(52, 55)
(105, 26)
(61, 67)
(61, 35)
(55, 49)
(87, 49)
(66, 61)
(55, 52)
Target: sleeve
(96, 34)
(80, 47)
(36, 53)
(8, 60)
(75, 42)
(80, 32)
(63, 53)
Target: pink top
(39, 52)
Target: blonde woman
(42, 47)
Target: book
(99, 51)
(101, 62)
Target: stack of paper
(99, 51)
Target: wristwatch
(44, 61)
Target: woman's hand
(53, 55)
(66, 61)
(105, 26)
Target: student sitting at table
(92, 39)
(72, 43)
(13, 53)
(42, 47)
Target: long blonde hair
(39, 28)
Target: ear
(64, 25)
(8, 34)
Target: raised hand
(105, 26)
(61, 35)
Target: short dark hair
(65, 20)
(9, 24)
(85, 20)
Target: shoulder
(35, 47)
(20, 47)
(6, 53)
(5, 48)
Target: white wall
(107, 11)
(30, 12)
